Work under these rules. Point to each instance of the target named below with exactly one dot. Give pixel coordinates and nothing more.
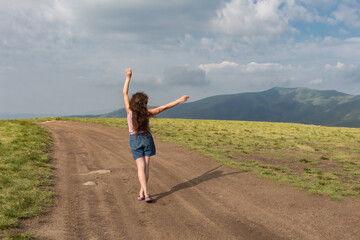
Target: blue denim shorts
(142, 145)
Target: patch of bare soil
(292, 160)
(194, 196)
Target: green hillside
(298, 105)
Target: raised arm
(158, 110)
(126, 89)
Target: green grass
(25, 174)
(323, 160)
(19, 236)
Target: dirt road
(195, 197)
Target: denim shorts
(142, 145)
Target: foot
(141, 195)
(148, 197)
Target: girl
(141, 142)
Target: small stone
(100, 171)
(90, 183)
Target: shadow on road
(208, 175)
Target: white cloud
(42, 25)
(293, 10)
(254, 67)
(338, 66)
(214, 66)
(343, 31)
(354, 40)
(251, 19)
(247, 68)
(317, 81)
(348, 13)
(262, 20)
(57, 11)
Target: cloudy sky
(69, 57)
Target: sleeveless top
(131, 126)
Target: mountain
(298, 105)
(4, 116)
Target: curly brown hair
(140, 113)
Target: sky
(69, 57)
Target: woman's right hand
(184, 98)
(128, 72)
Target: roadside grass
(323, 160)
(25, 174)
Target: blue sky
(69, 57)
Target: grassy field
(323, 160)
(25, 174)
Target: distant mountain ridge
(5, 116)
(297, 105)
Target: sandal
(148, 199)
(141, 198)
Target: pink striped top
(131, 127)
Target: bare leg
(147, 168)
(140, 162)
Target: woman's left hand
(128, 73)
